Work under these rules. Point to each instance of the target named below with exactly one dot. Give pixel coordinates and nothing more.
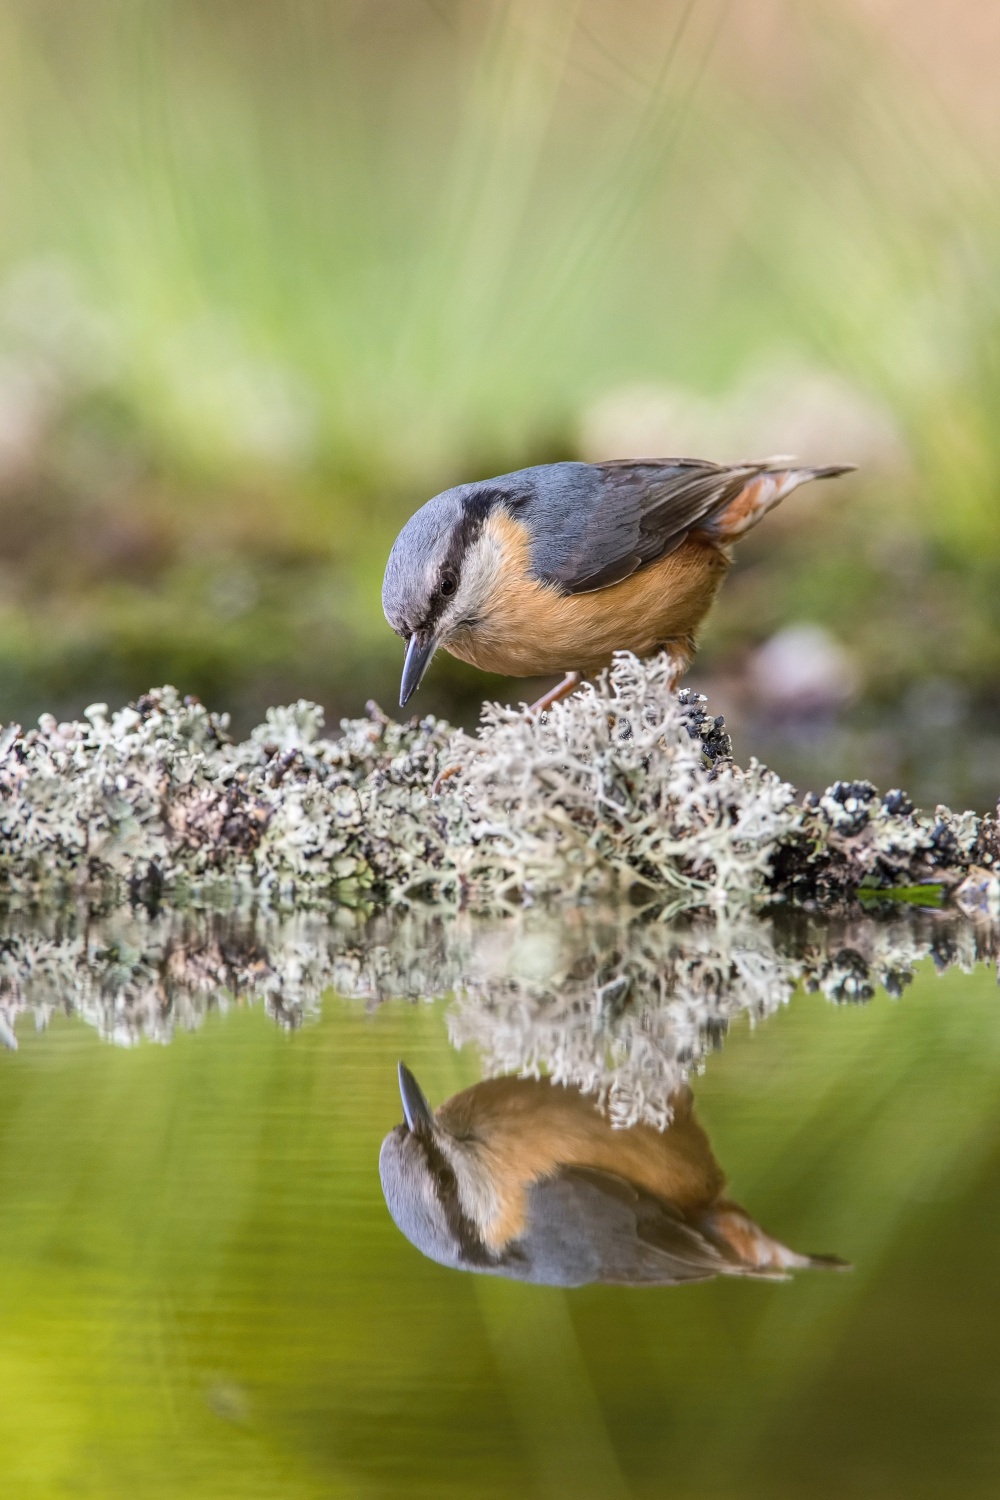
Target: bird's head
(436, 1187)
(443, 569)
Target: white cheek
(480, 576)
(476, 1193)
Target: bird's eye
(448, 586)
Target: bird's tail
(768, 487)
(755, 1252)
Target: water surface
(204, 1293)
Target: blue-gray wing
(594, 524)
(585, 1225)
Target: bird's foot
(569, 684)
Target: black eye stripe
(473, 1251)
(476, 508)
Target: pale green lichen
(624, 784)
(157, 799)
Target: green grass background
(272, 275)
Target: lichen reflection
(623, 1007)
(524, 1178)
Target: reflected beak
(418, 659)
(419, 1115)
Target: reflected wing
(600, 523)
(586, 1225)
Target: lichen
(626, 784)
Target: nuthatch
(552, 569)
(524, 1178)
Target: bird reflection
(523, 1178)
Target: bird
(554, 568)
(528, 1179)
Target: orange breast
(531, 629)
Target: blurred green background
(271, 275)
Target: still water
(204, 1293)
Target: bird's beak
(419, 1116)
(418, 659)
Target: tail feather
(762, 493)
(755, 1252)
(831, 471)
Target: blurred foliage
(271, 275)
(205, 1295)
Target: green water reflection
(204, 1295)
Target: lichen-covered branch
(625, 784)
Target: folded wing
(627, 515)
(595, 524)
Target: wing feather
(623, 515)
(586, 1224)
